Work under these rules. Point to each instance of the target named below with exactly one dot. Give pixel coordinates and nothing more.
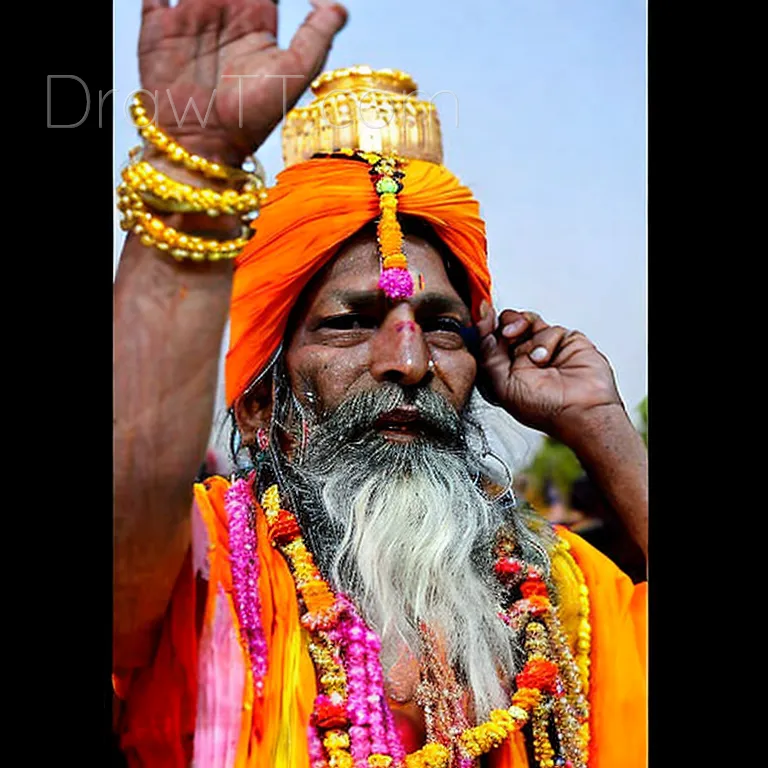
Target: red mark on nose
(409, 325)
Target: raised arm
(169, 314)
(555, 380)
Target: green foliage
(555, 463)
(642, 411)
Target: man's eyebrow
(434, 303)
(437, 303)
(353, 299)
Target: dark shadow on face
(345, 336)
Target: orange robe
(196, 699)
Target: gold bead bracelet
(153, 233)
(165, 194)
(165, 144)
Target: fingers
(151, 5)
(516, 334)
(499, 333)
(313, 39)
(493, 353)
(516, 326)
(543, 346)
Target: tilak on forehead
(366, 149)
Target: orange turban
(314, 207)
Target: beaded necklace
(351, 725)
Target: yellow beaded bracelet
(165, 194)
(161, 141)
(145, 186)
(155, 233)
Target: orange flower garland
(584, 641)
(546, 682)
(395, 281)
(551, 669)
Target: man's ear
(253, 410)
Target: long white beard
(416, 539)
(407, 533)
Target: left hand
(547, 377)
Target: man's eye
(447, 324)
(349, 322)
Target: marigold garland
(584, 642)
(395, 280)
(429, 756)
(386, 174)
(526, 698)
(379, 761)
(538, 673)
(350, 724)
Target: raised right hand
(196, 51)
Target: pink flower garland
(372, 729)
(316, 752)
(357, 694)
(245, 578)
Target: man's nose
(399, 350)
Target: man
(366, 591)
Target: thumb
(493, 347)
(488, 321)
(493, 369)
(494, 357)
(313, 38)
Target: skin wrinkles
(350, 338)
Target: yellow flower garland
(526, 704)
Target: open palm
(218, 61)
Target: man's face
(348, 338)
(388, 484)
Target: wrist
(613, 454)
(224, 227)
(583, 430)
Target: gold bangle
(143, 186)
(153, 232)
(161, 141)
(165, 194)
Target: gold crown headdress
(374, 116)
(364, 109)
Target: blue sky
(549, 133)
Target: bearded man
(365, 590)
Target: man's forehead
(358, 262)
(360, 252)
